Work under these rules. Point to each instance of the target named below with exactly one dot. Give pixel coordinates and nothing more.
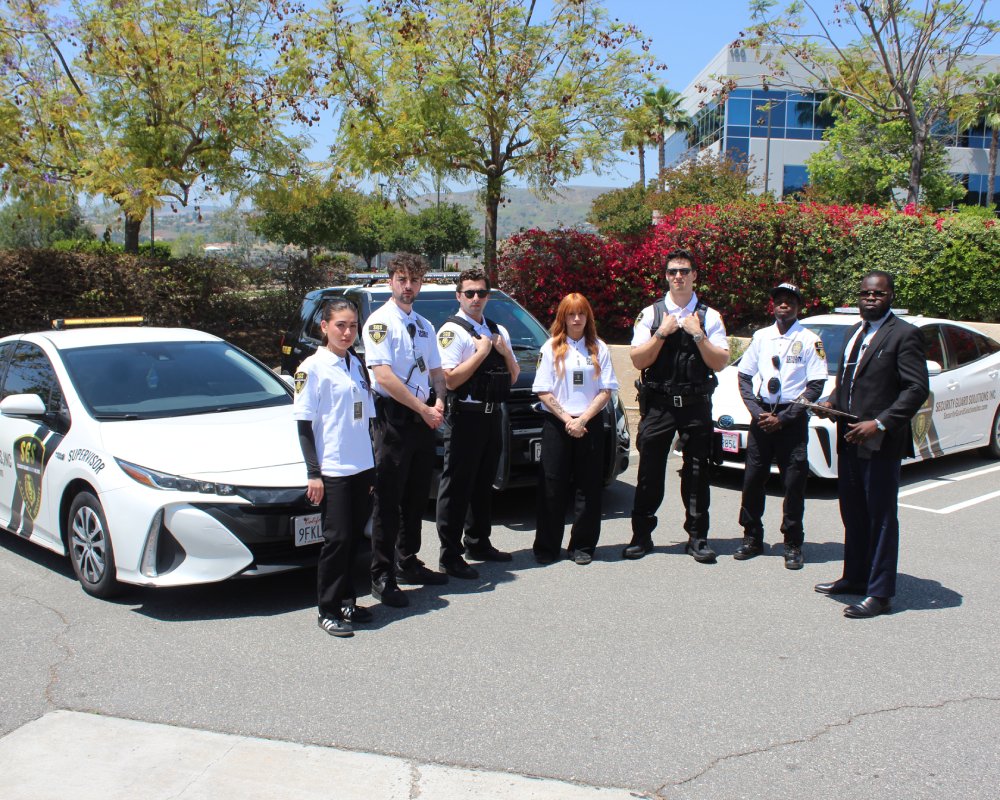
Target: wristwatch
(879, 425)
(660, 335)
(698, 337)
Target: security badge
(819, 349)
(300, 382)
(796, 348)
(445, 338)
(357, 410)
(378, 331)
(920, 424)
(578, 377)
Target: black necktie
(851, 365)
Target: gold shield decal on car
(29, 458)
(921, 422)
(378, 331)
(300, 381)
(445, 338)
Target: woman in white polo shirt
(574, 381)
(333, 406)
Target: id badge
(420, 364)
(358, 410)
(578, 377)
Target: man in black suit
(882, 383)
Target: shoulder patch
(538, 364)
(378, 331)
(445, 338)
(300, 381)
(819, 349)
(638, 320)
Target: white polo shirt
(800, 359)
(715, 329)
(388, 342)
(456, 345)
(577, 386)
(335, 398)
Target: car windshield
(146, 380)
(524, 330)
(835, 338)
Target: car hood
(726, 399)
(257, 447)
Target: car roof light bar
(82, 322)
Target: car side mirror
(933, 368)
(22, 405)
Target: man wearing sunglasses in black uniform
(479, 369)
(882, 384)
(789, 362)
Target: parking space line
(957, 506)
(936, 482)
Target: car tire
(89, 545)
(993, 448)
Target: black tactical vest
(490, 383)
(679, 368)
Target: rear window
(167, 379)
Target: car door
(932, 433)
(28, 508)
(971, 387)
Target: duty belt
(473, 407)
(678, 400)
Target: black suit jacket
(890, 383)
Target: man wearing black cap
(788, 362)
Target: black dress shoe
(389, 594)
(355, 613)
(637, 549)
(581, 557)
(459, 569)
(751, 548)
(840, 586)
(699, 550)
(867, 608)
(336, 627)
(419, 575)
(545, 559)
(488, 554)
(793, 557)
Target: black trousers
(693, 425)
(347, 502)
(789, 447)
(869, 493)
(404, 463)
(569, 468)
(465, 495)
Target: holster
(641, 395)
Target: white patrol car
(151, 456)
(962, 411)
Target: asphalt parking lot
(662, 676)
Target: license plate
(536, 450)
(730, 442)
(307, 529)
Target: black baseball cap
(791, 288)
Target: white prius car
(151, 456)
(962, 411)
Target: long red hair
(574, 303)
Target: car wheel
(993, 448)
(90, 549)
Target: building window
(795, 180)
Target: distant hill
(523, 210)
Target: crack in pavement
(817, 735)
(415, 778)
(58, 640)
(207, 767)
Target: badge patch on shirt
(796, 348)
(378, 331)
(300, 381)
(445, 338)
(538, 364)
(819, 349)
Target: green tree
(483, 89)
(621, 213)
(867, 162)
(983, 106)
(669, 116)
(707, 180)
(441, 229)
(640, 130)
(159, 100)
(40, 221)
(309, 214)
(908, 64)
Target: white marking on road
(957, 506)
(934, 483)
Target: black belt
(472, 407)
(679, 400)
(779, 407)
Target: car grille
(266, 531)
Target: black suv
(521, 421)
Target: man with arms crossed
(882, 384)
(409, 398)
(678, 343)
(479, 369)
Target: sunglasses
(674, 271)
(774, 385)
(877, 293)
(480, 293)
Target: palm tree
(640, 127)
(988, 109)
(666, 106)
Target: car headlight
(167, 482)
